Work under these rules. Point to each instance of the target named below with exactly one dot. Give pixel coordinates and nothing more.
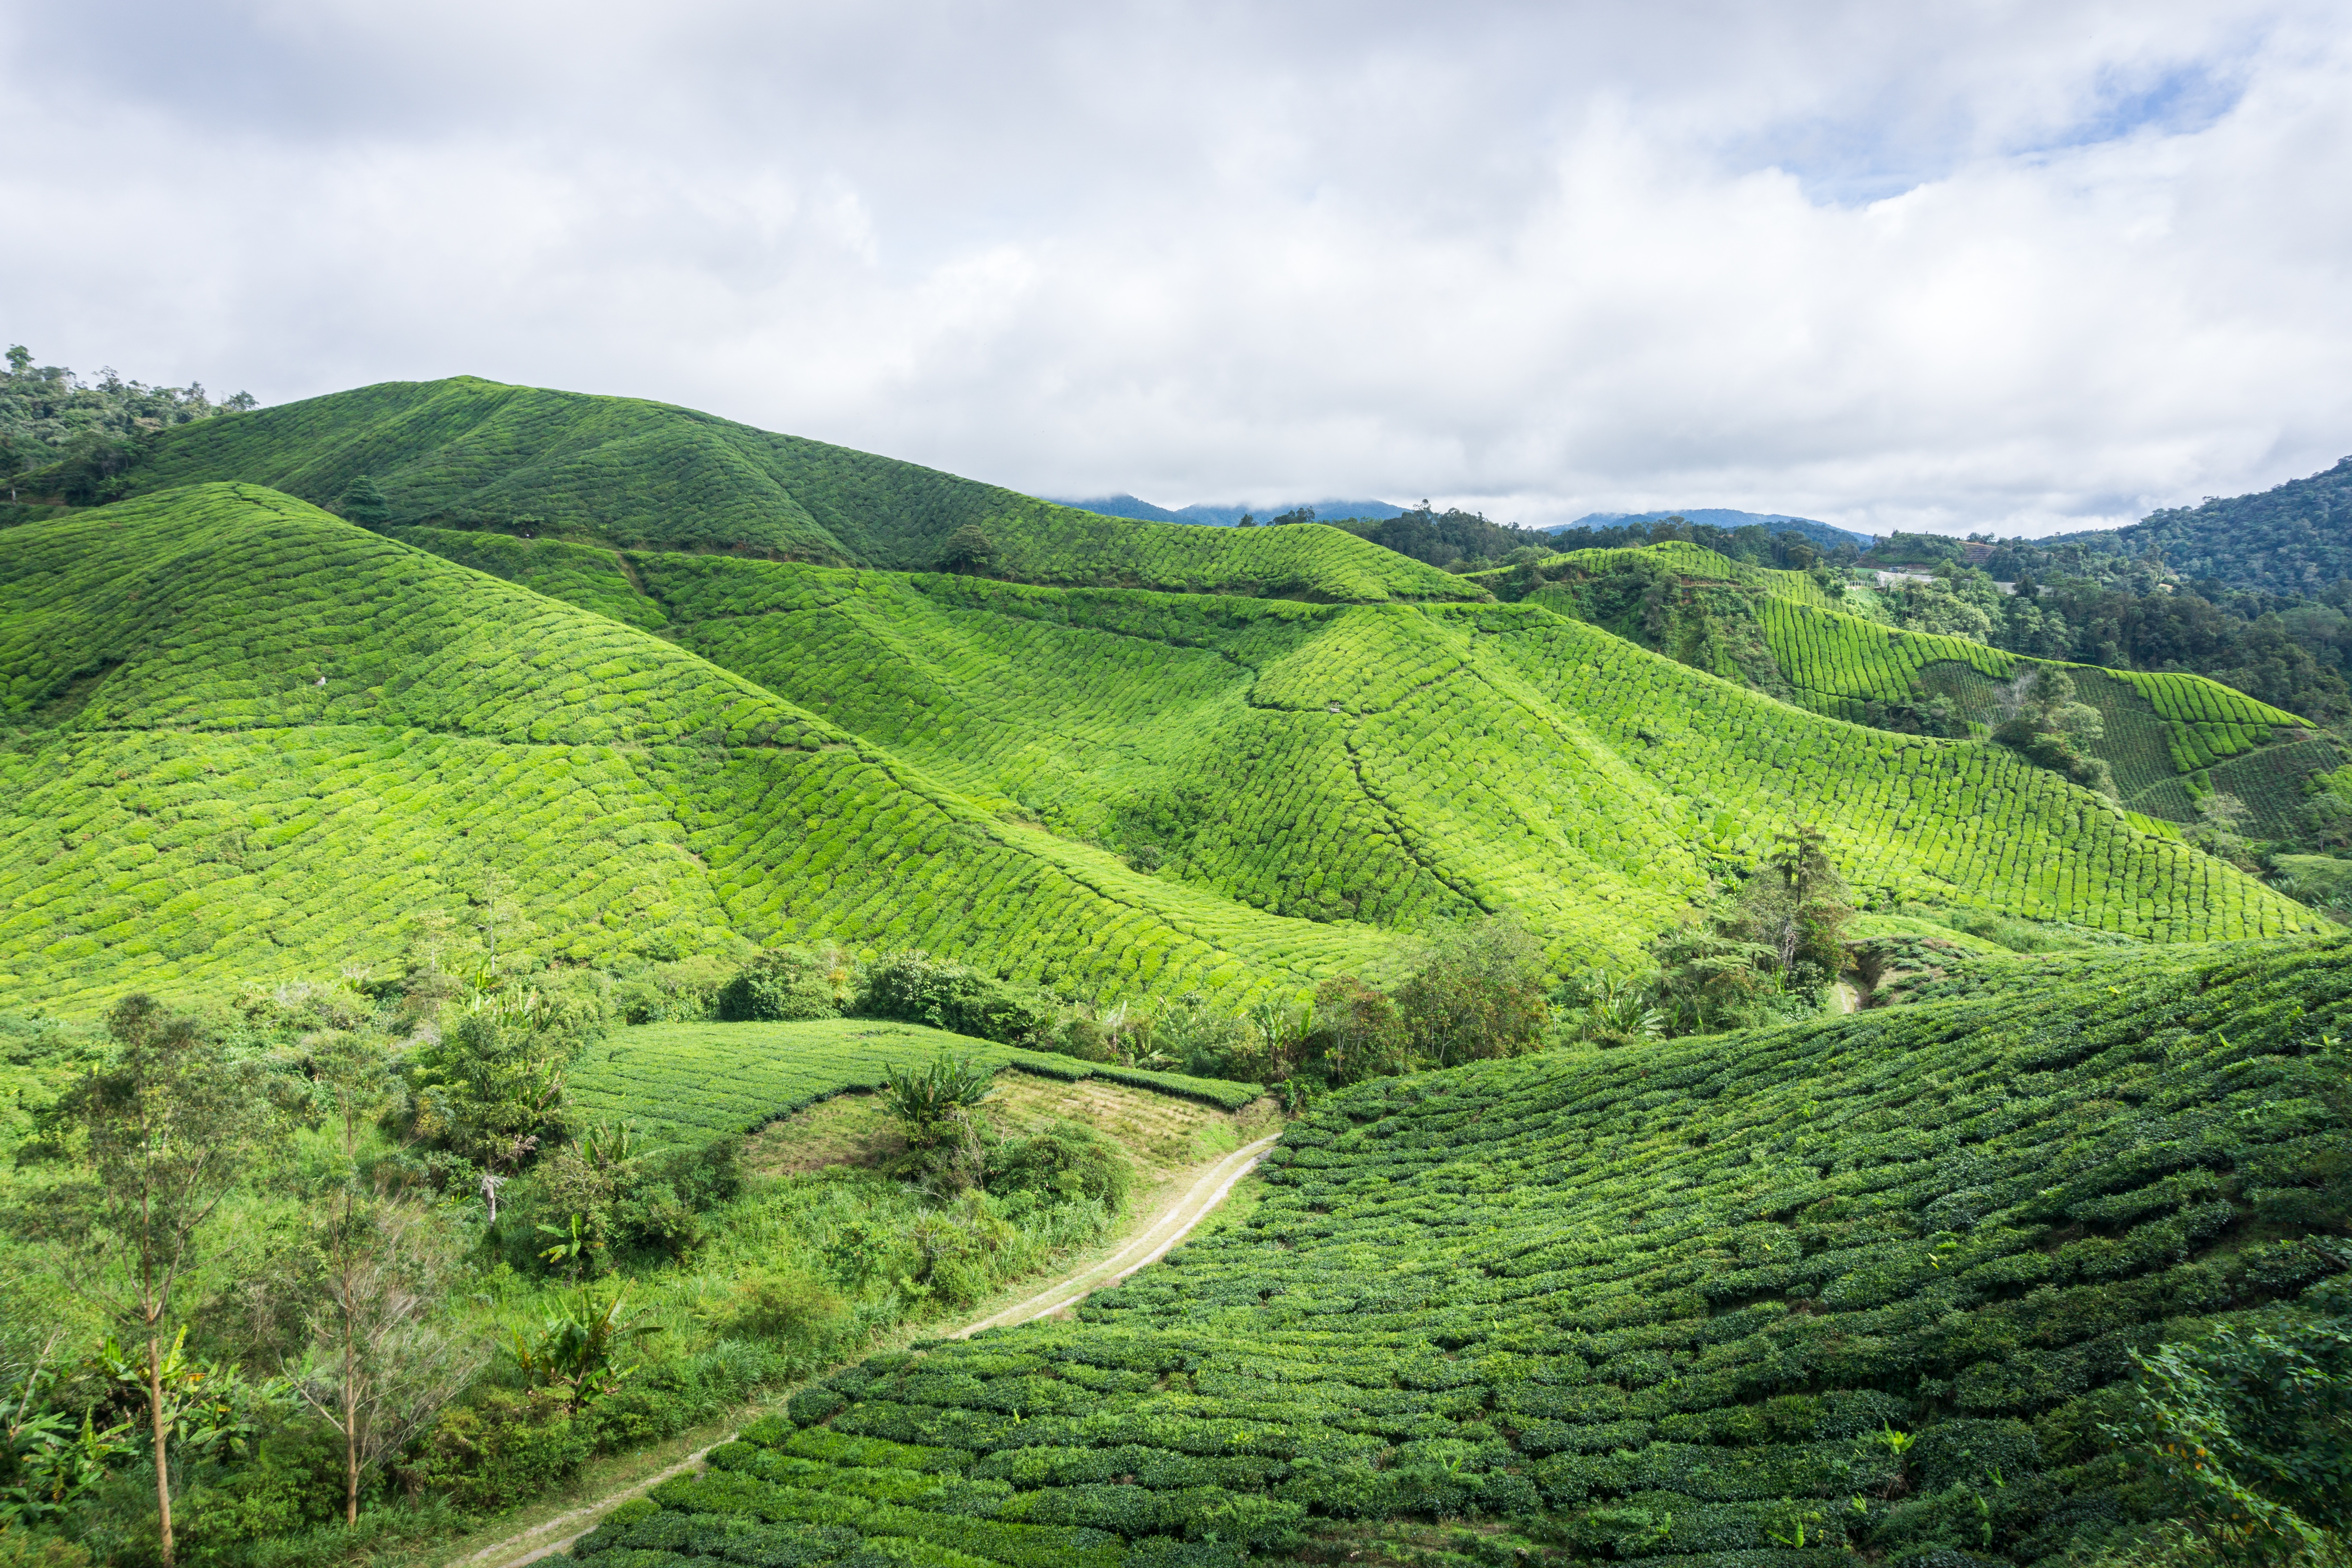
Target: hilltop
(2293, 537)
(1828, 536)
(1124, 505)
(228, 701)
(475, 454)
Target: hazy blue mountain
(1225, 516)
(1822, 533)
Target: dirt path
(1849, 1000)
(1170, 1226)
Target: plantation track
(1170, 1226)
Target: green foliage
(1062, 1162)
(779, 984)
(2250, 1423)
(2282, 539)
(915, 988)
(1479, 995)
(1871, 1283)
(580, 1351)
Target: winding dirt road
(1171, 1224)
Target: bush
(505, 1449)
(1355, 1033)
(781, 984)
(1480, 995)
(790, 1306)
(1064, 1159)
(916, 988)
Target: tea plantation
(1756, 1301)
(466, 454)
(2164, 732)
(253, 740)
(683, 1080)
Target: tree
(1354, 1031)
(936, 1106)
(966, 550)
(2048, 725)
(376, 1370)
(491, 1089)
(780, 983)
(364, 503)
(1480, 994)
(173, 1122)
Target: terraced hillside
(254, 740)
(1400, 766)
(466, 454)
(1870, 1283)
(2169, 737)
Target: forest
(580, 977)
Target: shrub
(504, 1448)
(1355, 1033)
(1064, 1159)
(1481, 994)
(919, 989)
(779, 984)
(790, 1306)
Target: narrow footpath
(1168, 1226)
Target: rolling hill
(252, 739)
(2293, 537)
(1827, 535)
(1866, 1285)
(2169, 738)
(473, 455)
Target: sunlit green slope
(475, 455)
(2169, 737)
(251, 739)
(1871, 1284)
(1404, 765)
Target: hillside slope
(2294, 538)
(475, 455)
(1399, 764)
(1868, 1284)
(253, 740)
(2169, 737)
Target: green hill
(2169, 738)
(1866, 1285)
(2294, 538)
(467, 454)
(253, 740)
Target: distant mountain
(1821, 534)
(1227, 516)
(2292, 538)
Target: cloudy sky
(1957, 265)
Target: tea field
(2166, 734)
(679, 1081)
(1867, 1284)
(466, 454)
(251, 741)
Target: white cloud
(2022, 267)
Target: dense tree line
(83, 436)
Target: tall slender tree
(173, 1122)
